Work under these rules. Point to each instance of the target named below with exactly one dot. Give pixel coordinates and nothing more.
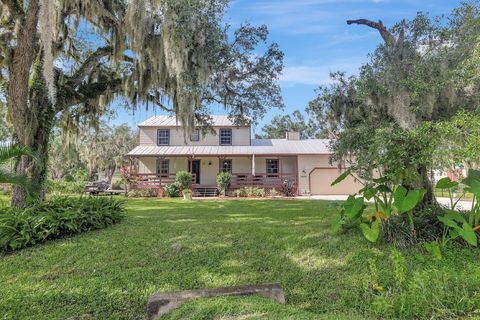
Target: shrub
(143, 193)
(288, 188)
(240, 193)
(250, 192)
(259, 192)
(64, 187)
(56, 218)
(223, 182)
(118, 185)
(172, 190)
(183, 179)
(273, 192)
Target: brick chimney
(292, 135)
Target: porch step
(205, 192)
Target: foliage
(374, 150)
(8, 155)
(273, 192)
(288, 188)
(172, 190)
(388, 200)
(455, 224)
(250, 192)
(280, 125)
(118, 185)
(143, 193)
(223, 182)
(183, 179)
(56, 218)
(99, 150)
(240, 193)
(459, 140)
(350, 213)
(64, 187)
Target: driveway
(462, 205)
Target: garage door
(320, 180)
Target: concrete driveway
(462, 205)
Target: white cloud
(316, 74)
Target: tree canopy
(65, 62)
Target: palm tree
(8, 154)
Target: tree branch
(88, 65)
(386, 35)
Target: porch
(266, 172)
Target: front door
(195, 168)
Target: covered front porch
(249, 170)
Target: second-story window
(195, 136)
(163, 137)
(225, 137)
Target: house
(265, 163)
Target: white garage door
(320, 180)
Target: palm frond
(9, 152)
(20, 180)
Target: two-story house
(265, 163)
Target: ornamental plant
(455, 224)
(388, 199)
(183, 179)
(224, 180)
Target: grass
(444, 194)
(109, 274)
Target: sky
(316, 40)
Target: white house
(266, 163)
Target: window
(272, 167)
(225, 137)
(163, 137)
(195, 136)
(226, 166)
(163, 167)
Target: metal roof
(171, 121)
(259, 147)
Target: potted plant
(187, 194)
(223, 182)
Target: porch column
(297, 180)
(253, 164)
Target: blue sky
(316, 40)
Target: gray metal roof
(171, 121)
(259, 147)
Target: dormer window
(195, 136)
(225, 137)
(163, 137)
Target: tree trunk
(111, 173)
(18, 91)
(427, 184)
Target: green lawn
(109, 274)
